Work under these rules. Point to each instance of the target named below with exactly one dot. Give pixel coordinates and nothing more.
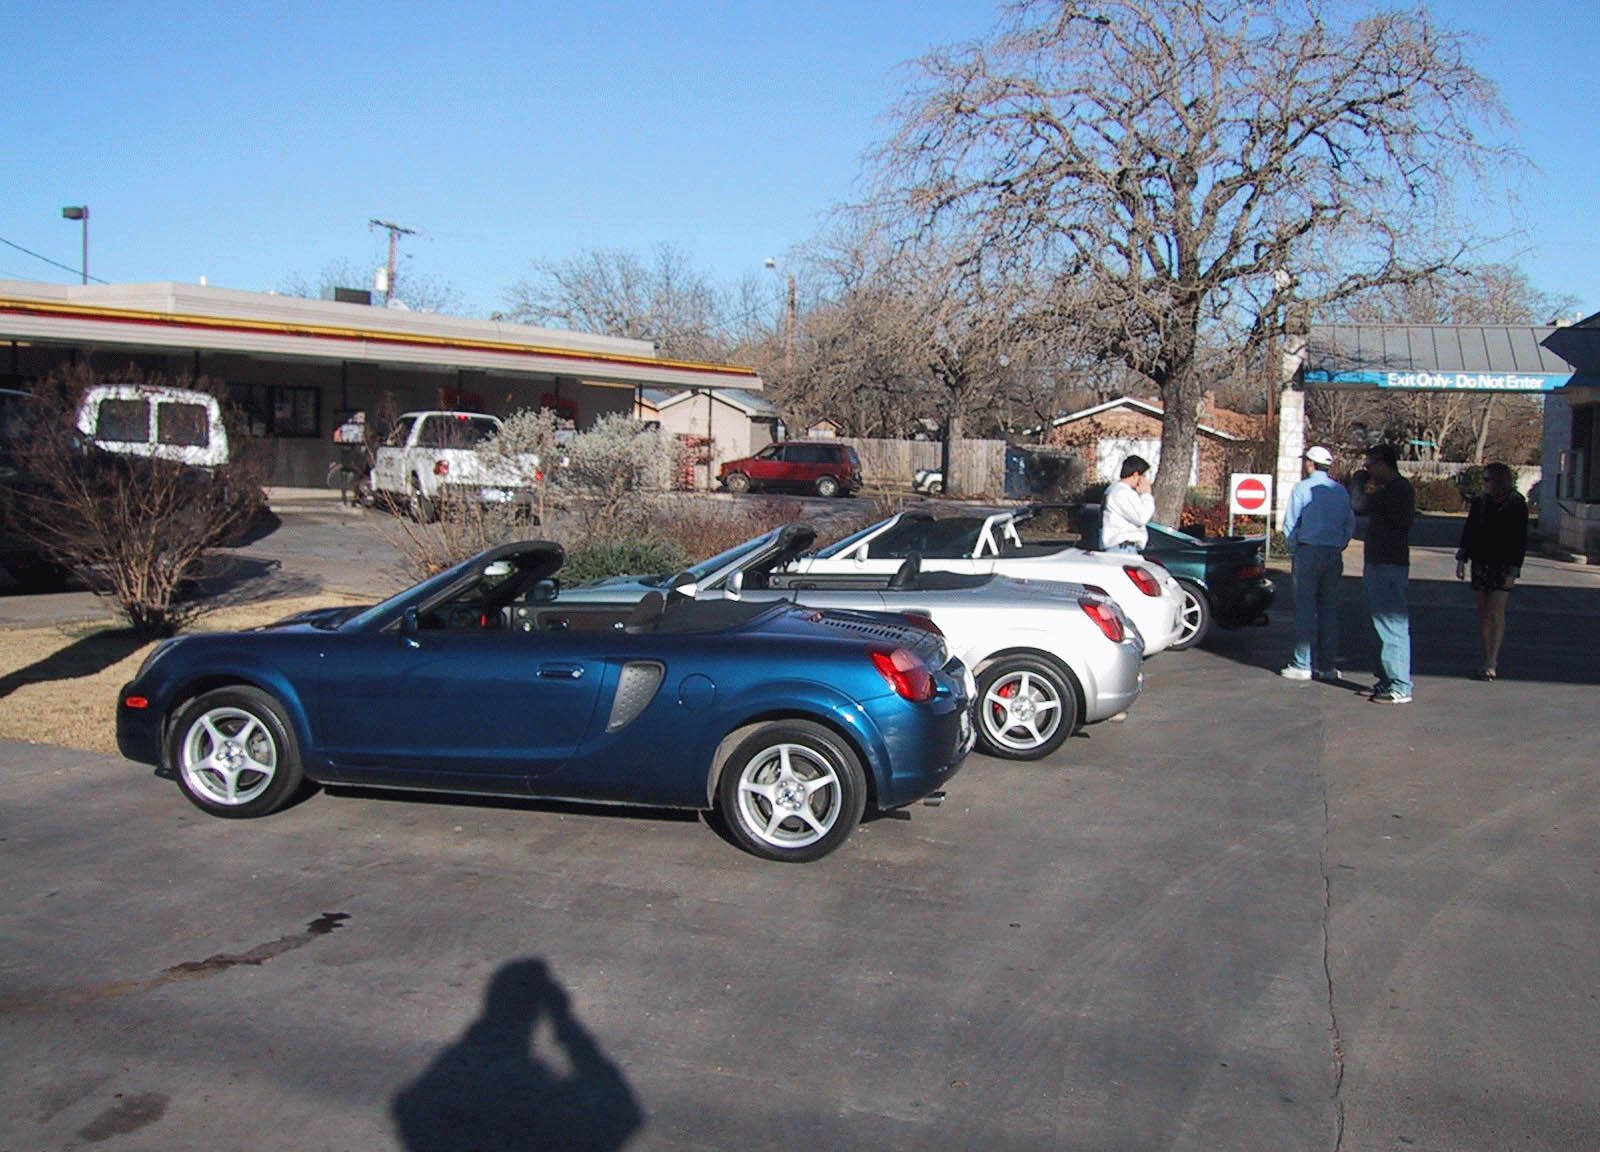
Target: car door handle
(560, 671)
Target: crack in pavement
(1337, 1092)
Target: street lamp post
(80, 212)
(788, 316)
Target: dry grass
(58, 684)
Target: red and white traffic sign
(1249, 494)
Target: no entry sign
(1248, 494)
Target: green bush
(623, 558)
(1470, 482)
(1438, 494)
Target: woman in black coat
(1494, 541)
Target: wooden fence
(979, 466)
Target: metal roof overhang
(184, 318)
(1435, 357)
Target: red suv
(825, 467)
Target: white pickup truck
(431, 458)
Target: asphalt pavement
(1257, 915)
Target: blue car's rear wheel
(233, 753)
(791, 790)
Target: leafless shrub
(136, 530)
(462, 529)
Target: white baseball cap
(1317, 454)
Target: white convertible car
(1145, 591)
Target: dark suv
(20, 557)
(825, 467)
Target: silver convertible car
(1145, 591)
(1049, 656)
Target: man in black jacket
(1385, 498)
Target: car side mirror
(735, 585)
(545, 591)
(408, 624)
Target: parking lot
(1257, 915)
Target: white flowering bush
(613, 474)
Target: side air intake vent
(636, 687)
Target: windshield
(839, 547)
(457, 431)
(732, 556)
(951, 536)
(443, 580)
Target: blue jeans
(1317, 569)
(1385, 586)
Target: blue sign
(1447, 381)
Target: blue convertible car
(788, 722)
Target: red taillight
(138, 703)
(1105, 615)
(441, 468)
(907, 675)
(918, 620)
(1142, 580)
(1251, 572)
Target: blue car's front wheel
(233, 753)
(792, 790)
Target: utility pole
(395, 232)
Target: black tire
(827, 487)
(423, 510)
(234, 753)
(737, 483)
(1026, 707)
(1195, 615)
(797, 767)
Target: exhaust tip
(933, 799)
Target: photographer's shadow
(491, 1091)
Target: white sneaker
(1293, 673)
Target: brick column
(1291, 426)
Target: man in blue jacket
(1319, 524)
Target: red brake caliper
(1006, 690)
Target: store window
(282, 410)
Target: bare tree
(135, 529)
(615, 293)
(1164, 159)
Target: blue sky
(251, 144)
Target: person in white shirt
(1129, 506)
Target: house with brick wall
(1105, 434)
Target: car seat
(905, 577)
